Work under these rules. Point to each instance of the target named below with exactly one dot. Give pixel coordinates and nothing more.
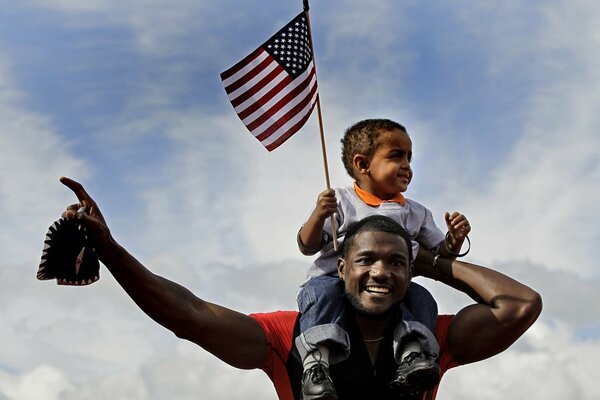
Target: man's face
(376, 273)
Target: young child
(377, 154)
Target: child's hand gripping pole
(320, 116)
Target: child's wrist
(450, 247)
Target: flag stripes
(274, 89)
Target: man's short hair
(363, 138)
(375, 223)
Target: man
(375, 272)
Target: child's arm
(458, 229)
(310, 237)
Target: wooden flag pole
(321, 130)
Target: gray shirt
(415, 218)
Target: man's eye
(363, 261)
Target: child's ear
(360, 163)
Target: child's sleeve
(338, 217)
(430, 236)
(305, 250)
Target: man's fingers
(78, 189)
(71, 210)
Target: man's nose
(379, 270)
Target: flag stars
(291, 47)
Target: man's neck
(372, 331)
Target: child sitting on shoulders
(377, 155)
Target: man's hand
(90, 217)
(235, 338)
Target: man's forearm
(233, 337)
(505, 308)
(440, 269)
(166, 302)
(480, 283)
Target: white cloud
(32, 157)
(93, 343)
(555, 366)
(158, 27)
(219, 214)
(541, 203)
(187, 373)
(42, 382)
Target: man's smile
(381, 290)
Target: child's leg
(321, 304)
(419, 313)
(415, 346)
(421, 305)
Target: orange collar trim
(374, 201)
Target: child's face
(389, 171)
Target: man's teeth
(377, 289)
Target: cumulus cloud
(557, 371)
(214, 211)
(42, 382)
(32, 157)
(544, 194)
(91, 345)
(159, 28)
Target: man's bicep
(233, 337)
(476, 334)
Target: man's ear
(360, 163)
(341, 265)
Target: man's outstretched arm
(505, 308)
(235, 338)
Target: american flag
(274, 89)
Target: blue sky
(500, 100)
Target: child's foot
(317, 384)
(417, 371)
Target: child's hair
(363, 138)
(375, 223)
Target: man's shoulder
(442, 327)
(279, 326)
(279, 319)
(281, 362)
(443, 323)
(276, 315)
